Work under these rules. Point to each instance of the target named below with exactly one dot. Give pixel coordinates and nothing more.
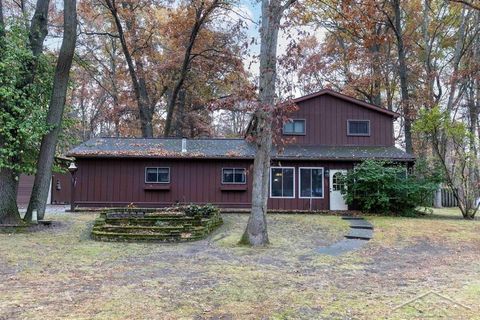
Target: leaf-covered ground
(61, 274)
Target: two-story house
(332, 131)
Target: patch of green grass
(444, 224)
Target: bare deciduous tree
(272, 11)
(142, 96)
(202, 13)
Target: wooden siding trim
(234, 187)
(161, 187)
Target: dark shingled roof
(163, 148)
(343, 153)
(224, 148)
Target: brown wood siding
(25, 185)
(60, 192)
(61, 187)
(119, 182)
(326, 123)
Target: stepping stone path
(360, 224)
(360, 232)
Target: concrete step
(140, 229)
(143, 237)
(351, 218)
(151, 221)
(365, 234)
(156, 228)
(360, 224)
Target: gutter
(238, 158)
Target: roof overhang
(275, 158)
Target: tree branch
(468, 4)
(100, 34)
(287, 4)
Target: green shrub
(385, 187)
(205, 211)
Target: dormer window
(294, 127)
(358, 127)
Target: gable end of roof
(349, 99)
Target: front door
(336, 198)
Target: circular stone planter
(152, 225)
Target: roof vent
(184, 145)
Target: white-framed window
(294, 127)
(157, 175)
(338, 183)
(282, 182)
(234, 176)
(310, 182)
(358, 127)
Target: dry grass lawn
(60, 273)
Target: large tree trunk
(375, 49)
(146, 108)
(38, 32)
(180, 118)
(201, 15)
(172, 101)
(139, 85)
(377, 76)
(117, 114)
(459, 44)
(145, 105)
(8, 199)
(473, 111)
(423, 146)
(256, 231)
(427, 53)
(402, 66)
(8, 178)
(2, 23)
(475, 80)
(39, 27)
(38, 199)
(457, 56)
